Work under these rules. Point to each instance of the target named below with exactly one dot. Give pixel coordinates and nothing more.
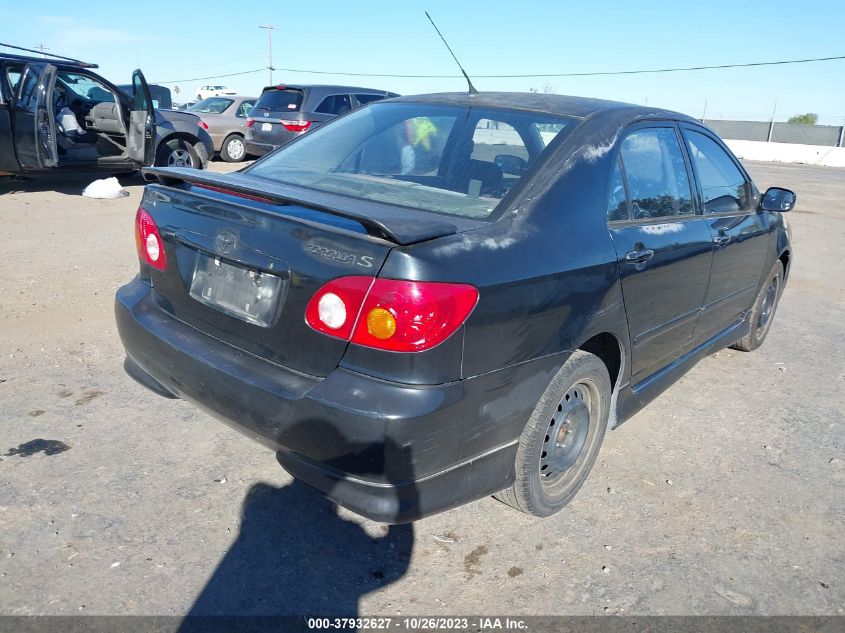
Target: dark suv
(56, 113)
(284, 112)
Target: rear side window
(287, 100)
(362, 99)
(657, 177)
(334, 104)
(722, 183)
(244, 109)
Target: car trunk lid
(244, 257)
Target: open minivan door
(142, 122)
(35, 123)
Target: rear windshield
(287, 100)
(213, 105)
(457, 160)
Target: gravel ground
(724, 496)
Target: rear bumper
(388, 451)
(259, 149)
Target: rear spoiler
(401, 226)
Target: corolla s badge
(225, 242)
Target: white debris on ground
(106, 188)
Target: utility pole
(772, 123)
(40, 46)
(270, 28)
(704, 114)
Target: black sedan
(436, 298)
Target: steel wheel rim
(236, 148)
(768, 306)
(180, 158)
(567, 434)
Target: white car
(214, 91)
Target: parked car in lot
(442, 297)
(284, 112)
(57, 113)
(225, 119)
(214, 91)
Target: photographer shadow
(295, 556)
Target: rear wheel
(763, 311)
(177, 153)
(233, 149)
(561, 440)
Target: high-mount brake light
(391, 314)
(296, 126)
(148, 240)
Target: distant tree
(547, 89)
(806, 119)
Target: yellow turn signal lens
(381, 323)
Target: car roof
(325, 87)
(537, 102)
(56, 61)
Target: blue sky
(179, 40)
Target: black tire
(233, 149)
(763, 311)
(177, 153)
(549, 467)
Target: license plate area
(266, 127)
(241, 292)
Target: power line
(245, 72)
(537, 75)
(591, 74)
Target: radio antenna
(472, 89)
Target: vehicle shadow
(295, 556)
(70, 184)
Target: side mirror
(778, 200)
(510, 164)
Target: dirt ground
(725, 496)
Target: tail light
(296, 126)
(250, 122)
(203, 124)
(390, 314)
(148, 240)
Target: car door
(34, 122)
(663, 246)
(142, 123)
(729, 200)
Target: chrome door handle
(721, 239)
(638, 257)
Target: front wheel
(177, 153)
(233, 149)
(763, 311)
(561, 440)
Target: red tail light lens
(391, 314)
(203, 124)
(334, 309)
(250, 122)
(296, 126)
(148, 240)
